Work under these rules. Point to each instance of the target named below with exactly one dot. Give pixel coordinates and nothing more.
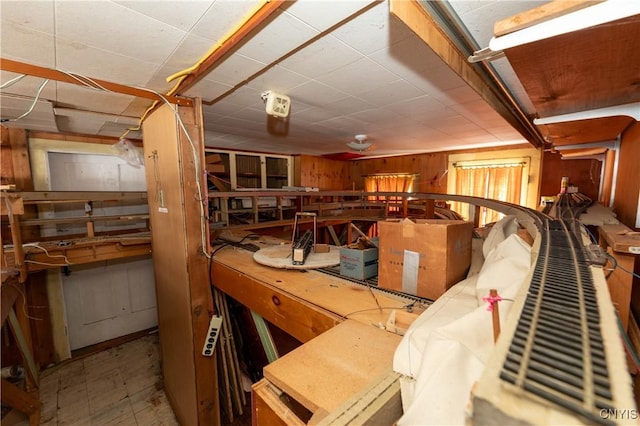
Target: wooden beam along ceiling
(52, 74)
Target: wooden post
(429, 208)
(495, 313)
(183, 293)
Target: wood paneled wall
(585, 174)
(322, 173)
(430, 168)
(628, 180)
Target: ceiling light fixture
(601, 13)
(360, 145)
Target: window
(499, 180)
(396, 182)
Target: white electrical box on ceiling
(276, 104)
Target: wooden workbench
(302, 303)
(345, 346)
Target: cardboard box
(424, 257)
(359, 263)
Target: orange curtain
(497, 182)
(388, 183)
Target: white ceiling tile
(320, 57)
(28, 86)
(348, 105)
(324, 14)
(31, 15)
(375, 115)
(80, 97)
(315, 94)
(234, 69)
(349, 124)
(394, 92)
(250, 114)
(26, 45)
(358, 77)
(374, 30)
(12, 107)
(457, 95)
(222, 17)
(191, 49)
(158, 81)
(137, 107)
(112, 27)
(182, 15)
(245, 96)
(220, 109)
(311, 115)
(100, 64)
(208, 89)
(81, 125)
(280, 36)
(277, 79)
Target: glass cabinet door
(248, 171)
(277, 172)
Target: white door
(103, 300)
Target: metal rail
(557, 352)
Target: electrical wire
(24, 304)
(196, 157)
(33, 104)
(12, 81)
(35, 245)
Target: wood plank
(328, 370)
(380, 403)
(268, 408)
(291, 314)
(621, 238)
(20, 157)
(86, 253)
(540, 14)
(80, 196)
(40, 318)
(104, 140)
(52, 74)
(83, 219)
(9, 293)
(335, 295)
(15, 397)
(609, 49)
(10, 203)
(181, 268)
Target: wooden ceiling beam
(52, 74)
(206, 65)
(413, 14)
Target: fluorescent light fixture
(630, 110)
(598, 14)
(601, 13)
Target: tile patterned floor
(119, 386)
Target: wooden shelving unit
(251, 208)
(27, 254)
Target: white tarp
(445, 350)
